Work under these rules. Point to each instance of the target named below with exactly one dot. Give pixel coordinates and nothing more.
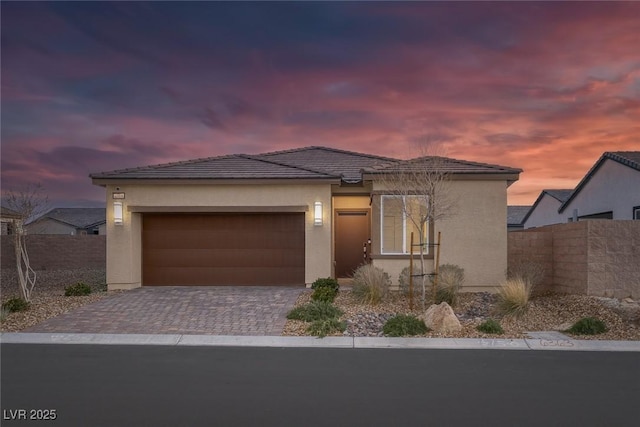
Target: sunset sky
(90, 87)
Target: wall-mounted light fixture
(117, 213)
(317, 213)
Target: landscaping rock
(441, 318)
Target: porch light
(117, 213)
(317, 213)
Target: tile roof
(77, 217)
(347, 164)
(627, 158)
(302, 163)
(8, 213)
(446, 164)
(516, 214)
(235, 166)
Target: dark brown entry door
(223, 249)
(352, 231)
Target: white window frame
(636, 213)
(404, 226)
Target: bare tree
(27, 203)
(421, 187)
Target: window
(636, 212)
(396, 227)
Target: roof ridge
(320, 147)
(447, 159)
(256, 158)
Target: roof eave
(104, 181)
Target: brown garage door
(223, 249)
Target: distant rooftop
(77, 217)
(516, 214)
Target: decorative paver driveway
(214, 310)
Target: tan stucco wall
(124, 241)
(475, 237)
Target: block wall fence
(56, 252)
(597, 257)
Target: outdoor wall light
(117, 213)
(317, 213)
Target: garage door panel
(223, 249)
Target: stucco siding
(614, 187)
(545, 213)
(473, 237)
(124, 241)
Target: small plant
(513, 297)
(79, 289)
(588, 326)
(323, 327)
(315, 310)
(402, 325)
(15, 304)
(324, 293)
(4, 313)
(370, 284)
(326, 283)
(403, 280)
(490, 326)
(450, 280)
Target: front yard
(546, 313)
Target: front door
(353, 228)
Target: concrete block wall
(58, 252)
(600, 258)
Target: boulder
(441, 318)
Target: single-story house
(288, 218)
(609, 190)
(70, 221)
(515, 217)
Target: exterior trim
(217, 209)
(199, 181)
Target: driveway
(214, 310)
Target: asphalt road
(95, 385)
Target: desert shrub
(315, 310)
(450, 280)
(403, 280)
(532, 273)
(323, 327)
(15, 304)
(326, 294)
(79, 289)
(513, 297)
(490, 326)
(4, 312)
(370, 284)
(326, 283)
(402, 325)
(588, 326)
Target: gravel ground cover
(48, 298)
(546, 313)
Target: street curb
(537, 344)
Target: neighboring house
(610, 190)
(7, 220)
(515, 217)
(289, 218)
(545, 209)
(71, 221)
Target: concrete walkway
(214, 310)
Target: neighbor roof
(77, 217)
(559, 195)
(516, 214)
(627, 158)
(302, 163)
(9, 213)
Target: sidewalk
(328, 342)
